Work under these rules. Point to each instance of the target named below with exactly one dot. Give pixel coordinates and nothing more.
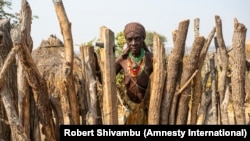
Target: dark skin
(136, 86)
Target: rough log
(206, 96)
(214, 96)
(67, 72)
(197, 84)
(239, 72)
(89, 62)
(173, 70)
(8, 91)
(110, 101)
(157, 82)
(222, 59)
(188, 69)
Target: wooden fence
(193, 88)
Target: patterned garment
(137, 113)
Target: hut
(49, 57)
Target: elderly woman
(136, 62)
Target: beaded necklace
(136, 64)
(137, 59)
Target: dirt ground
(122, 110)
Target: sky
(161, 16)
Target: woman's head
(136, 28)
(135, 34)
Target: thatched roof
(49, 57)
(52, 41)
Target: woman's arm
(118, 66)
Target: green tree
(3, 4)
(14, 17)
(120, 42)
(3, 14)
(149, 39)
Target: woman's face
(134, 42)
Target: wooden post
(197, 84)
(173, 71)
(239, 72)
(188, 69)
(24, 94)
(222, 64)
(67, 71)
(89, 66)
(214, 97)
(196, 27)
(157, 83)
(222, 57)
(85, 97)
(8, 90)
(110, 113)
(206, 94)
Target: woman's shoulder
(120, 58)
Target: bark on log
(205, 97)
(110, 101)
(89, 61)
(39, 89)
(214, 99)
(24, 94)
(173, 70)
(40, 92)
(222, 59)
(197, 88)
(8, 91)
(84, 99)
(67, 73)
(196, 27)
(224, 104)
(197, 84)
(34, 79)
(157, 83)
(239, 72)
(188, 69)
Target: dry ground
(122, 110)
